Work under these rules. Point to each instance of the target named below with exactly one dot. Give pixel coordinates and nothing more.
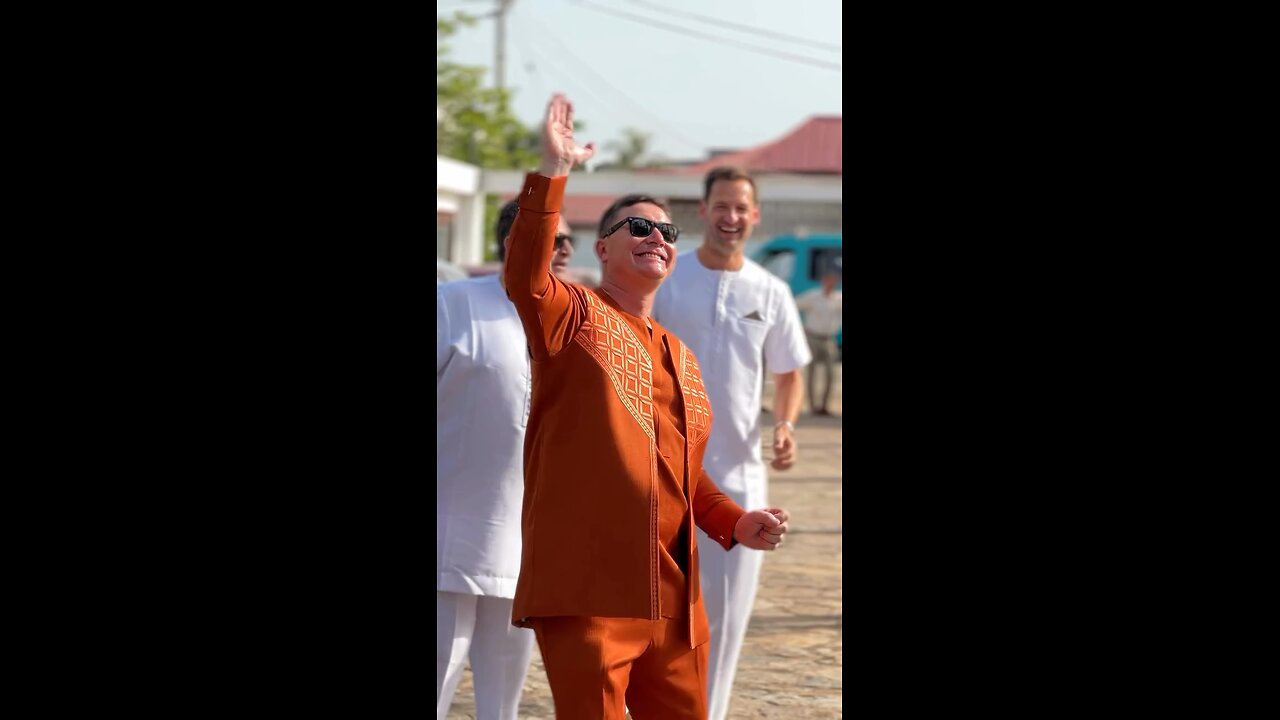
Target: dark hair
(728, 173)
(625, 201)
(506, 218)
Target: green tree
(632, 151)
(475, 123)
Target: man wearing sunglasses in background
(483, 380)
(737, 318)
(614, 483)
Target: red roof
(816, 146)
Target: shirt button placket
(722, 293)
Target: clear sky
(664, 75)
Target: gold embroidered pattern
(613, 344)
(697, 406)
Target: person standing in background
(823, 309)
(735, 316)
(483, 383)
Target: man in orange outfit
(614, 482)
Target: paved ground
(791, 663)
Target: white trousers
(479, 628)
(729, 582)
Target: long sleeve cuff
(542, 194)
(719, 522)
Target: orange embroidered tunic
(619, 419)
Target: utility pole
(500, 43)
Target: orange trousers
(598, 667)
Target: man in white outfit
(735, 316)
(483, 384)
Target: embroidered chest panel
(612, 343)
(697, 407)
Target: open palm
(560, 151)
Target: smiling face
(731, 214)
(633, 261)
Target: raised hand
(560, 152)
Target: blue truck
(800, 260)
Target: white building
(799, 176)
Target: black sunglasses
(641, 227)
(561, 239)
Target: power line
(563, 48)
(610, 105)
(685, 31)
(743, 28)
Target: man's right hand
(560, 152)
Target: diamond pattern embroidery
(610, 340)
(697, 407)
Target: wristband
(790, 425)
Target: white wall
(810, 188)
(458, 193)
(460, 190)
